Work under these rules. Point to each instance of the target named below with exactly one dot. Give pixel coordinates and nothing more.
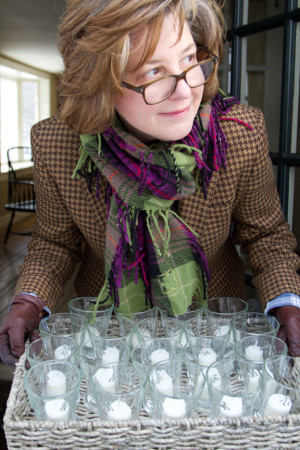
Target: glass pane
(228, 13)
(224, 71)
(261, 85)
(261, 9)
(296, 205)
(29, 109)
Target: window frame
(284, 159)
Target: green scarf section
(151, 255)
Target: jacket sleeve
(57, 242)
(260, 226)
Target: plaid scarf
(152, 257)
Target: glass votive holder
(234, 387)
(52, 348)
(194, 310)
(119, 391)
(127, 321)
(257, 348)
(65, 324)
(204, 350)
(89, 360)
(145, 330)
(104, 352)
(252, 323)
(53, 390)
(172, 328)
(85, 306)
(159, 351)
(282, 386)
(217, 327)
(98, 328)
(175, 389)
(225, 307)
(111, 350)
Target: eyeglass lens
(162, 89)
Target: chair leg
(9, 227)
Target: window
(24, 100)
(261, 66)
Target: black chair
(20, 184)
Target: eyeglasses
(159, 90)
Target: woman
(150, 176)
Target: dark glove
(23, 318)
(289, 331)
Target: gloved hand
(289, 331)
(23, 318)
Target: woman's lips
(177, 113)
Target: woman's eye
(191, 58)
(153, 72)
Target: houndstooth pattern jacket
(242, 208)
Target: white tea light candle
(231, 406)
(164, 383)
(110, 355)
(56, 383)
(206, 356)
(57, 410)
(62, 352)
(254, 353)
(278, 404)
(159, 355)
(119, 410)
(174, 408)
(104, 376)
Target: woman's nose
(182, 90)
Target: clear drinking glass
(65, 324)
(252, 323)
(52, 348)
(53, 390)
(234, 387)
(84, 306)
(194, 310)
(282, 386)
(119, 391)
(128, 321)
(175, 389)
(225, 307)
(159, 351)
(257, 348)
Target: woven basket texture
(23, 431)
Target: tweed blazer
(242, 208)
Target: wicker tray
(23, 431)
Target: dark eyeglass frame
(141, 89)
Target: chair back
(21, 195)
